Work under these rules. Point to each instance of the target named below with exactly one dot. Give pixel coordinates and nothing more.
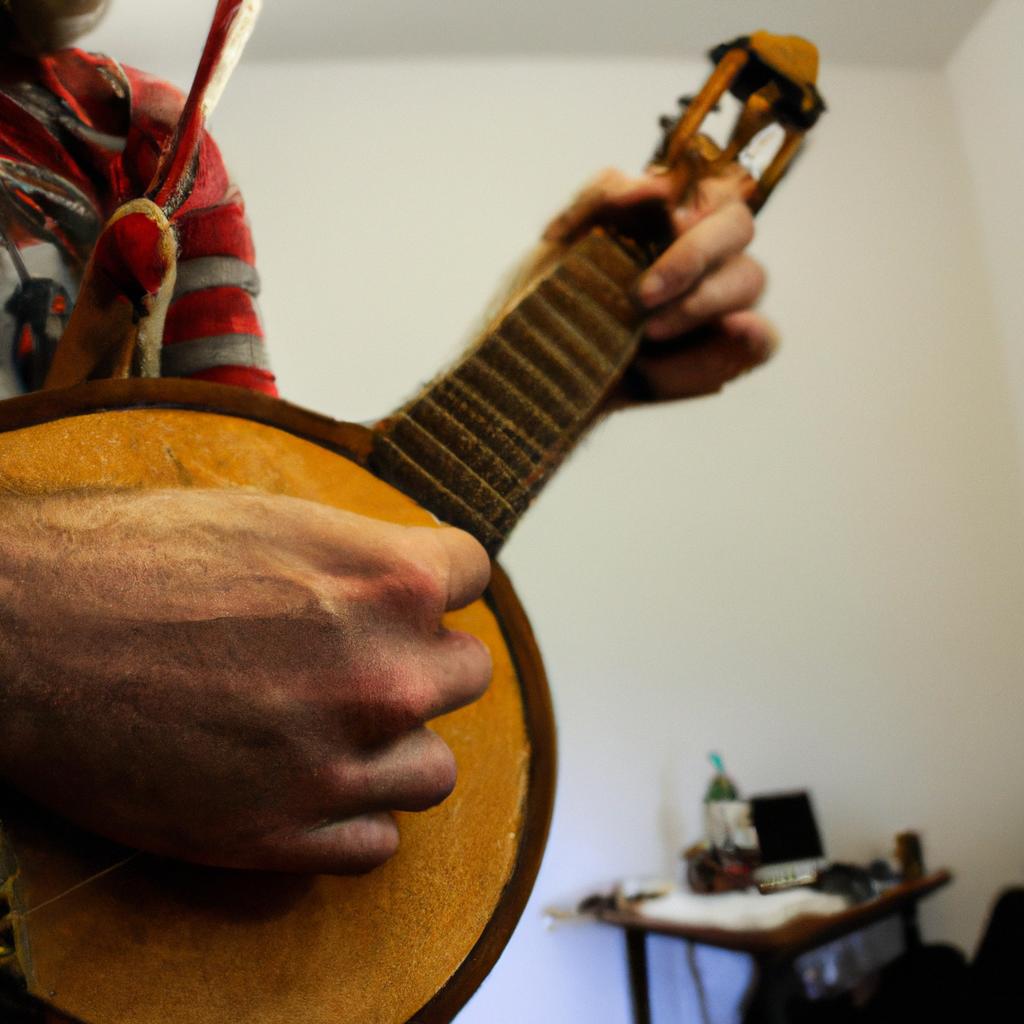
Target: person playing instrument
(230, 678)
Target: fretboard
(478, 444)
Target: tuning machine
(774, 79)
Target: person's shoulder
(93, 87)
(108, 94)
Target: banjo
(93, 932)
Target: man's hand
(232, 678)
(701, 330)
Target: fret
(431, 455)
(615, 305)
(608, 334)
(591, 279)
(548, 354)
(550, 323)
(405, 472)
(479, 443)
(456, 437)
(588, 277)
(499, 433)
(502, 355)
(504, 395)
(610, 258)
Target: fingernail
(650, 289)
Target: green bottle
(718, 801)
(721, 786)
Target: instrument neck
(479, 443)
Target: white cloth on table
(740, 911)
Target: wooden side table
(773, 949)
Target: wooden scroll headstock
(774, 77)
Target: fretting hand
(701, 331)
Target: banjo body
(109, 936)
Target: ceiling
(900, 33)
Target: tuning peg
(773, 77)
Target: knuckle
(416, 695)
(368, 844)
(438, 771)
(381, 840)
(428, 589)
(683, 264)
(418, 702)
(456, 671)
(480, 667)
(390, 699)
(708, 296)
(410, 702)
(415, 587)
(345, 780)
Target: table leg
(698, 981)
(911, 929)
(636, 954)
(774, 985)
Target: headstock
(774, 78)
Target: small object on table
(631, 891)
(909, 855)
(723, 862)
(708, 871)
(727, 822)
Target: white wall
(817, 573)
(986, 79)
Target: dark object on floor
(934, 983)
(996, 992)
(929, 983)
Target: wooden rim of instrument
(353, 441)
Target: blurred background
(819, 572)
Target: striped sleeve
(213, 330)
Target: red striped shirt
(79, 136)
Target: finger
(731, 185)
(429, 570)
(610, 190)
(461, 670)
(735, 285)
(412, 773)
(351, 846)
(734, 345)
(723, 233)
(467, 565)
(414, 681)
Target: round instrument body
(109, 936)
